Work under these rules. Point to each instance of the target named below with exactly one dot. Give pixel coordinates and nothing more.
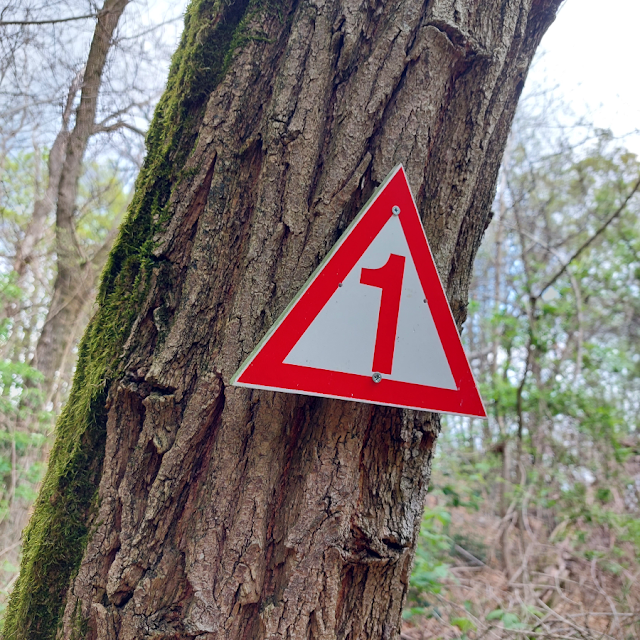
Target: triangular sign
(372, 324)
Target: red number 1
(389, 279)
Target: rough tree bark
(176, 506)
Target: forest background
(532, 525)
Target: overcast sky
(591, 53)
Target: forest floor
(563, 581)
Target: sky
(591, 53)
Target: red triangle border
(265, 369)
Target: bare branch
(119, 125)
(593, 238)
(469, 557)
(7, 23)
(151, 29)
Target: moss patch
(55, 539)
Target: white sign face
(343, 335)
(372, 324)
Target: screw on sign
(372, 324)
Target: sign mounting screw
(376, 377)
(395, 210)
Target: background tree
(71, 126)
(176, 506)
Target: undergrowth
(574, 562)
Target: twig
(10, 583)
(600, 613)
(522, 570)
(10, 547)
(603, 593)
(477, 621)
(543, 634)
(6, 23)
(596, 235)
(568, 622)
(116, 126)
(468, 556)
(548, 575)
(559, 529)
(561, 593)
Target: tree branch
(7, 23)
(151, 29)
(118, 125)
(596, 235)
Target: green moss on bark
(55, 539)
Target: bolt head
(395, 210)
(376, 377)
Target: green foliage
(17, 380)
(509, 620)
(19, 192)
(25, 423)
(630, 531)
(429, 567)
(560, 357)
(464, 624)
(20, 470)
(496, 614)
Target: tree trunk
(44, 205)
(76, 274)
(176, 506)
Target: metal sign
(372, 324)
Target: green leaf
(510, 620)
(464, 624)
(496, 614)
